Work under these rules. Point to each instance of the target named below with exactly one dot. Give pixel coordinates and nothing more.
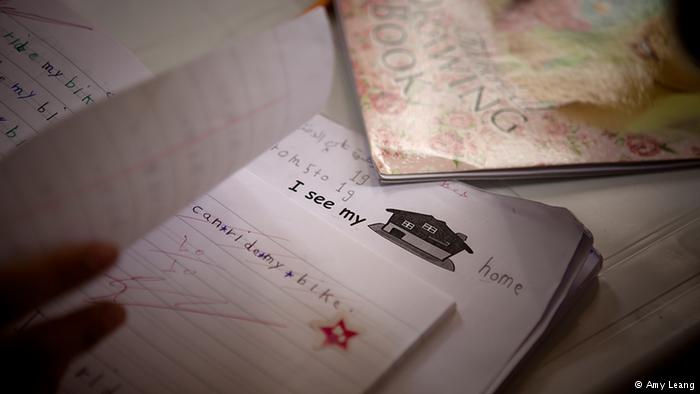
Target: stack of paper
(511, 265)
(298, 272)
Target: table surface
(646, 305)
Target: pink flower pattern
(387, 102)
(461, 119)
(448, 142)
(558, 15)
(643, 145)
(555, 126)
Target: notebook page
(118, 169)
(588, 272)
(53, 64)
(520, 250)
(243, 291)
(187, 28)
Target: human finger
(47, 349)
(27, 285)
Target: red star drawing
(337, 334)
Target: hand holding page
(115, 171)
(226, 295)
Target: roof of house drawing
(454, 243)
(428, 238)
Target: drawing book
(454, 89)
(228, 294)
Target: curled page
(117, 170)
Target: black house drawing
(423, 235)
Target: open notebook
(511, 265)
(296, 273)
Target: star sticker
(338, 335)
(288, 274)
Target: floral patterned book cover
(475, 89)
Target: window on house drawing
(407, 224)
(431, 229)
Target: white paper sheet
(184, 29)
(118, 169)
(232, 295)
(53, 64)
(514, 242)
(582, 270)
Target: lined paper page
(118, 169)
(53, 64)
(243, 291)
